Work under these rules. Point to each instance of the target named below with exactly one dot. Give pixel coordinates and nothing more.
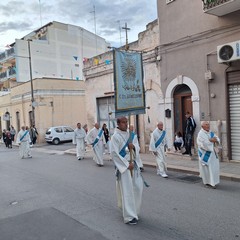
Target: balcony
(7, 54)
(220, 7)
(3, 75)
(12, 71)
(2, 55)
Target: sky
(20, 17)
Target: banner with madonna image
(128, 83)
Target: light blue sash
(159, 141)
(26, 132)
(97, 138)
(122, 152)
(132, 134)
(205, 155)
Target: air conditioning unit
(228, 52)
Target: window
(68, 129)
(169, 1)
(58, 130)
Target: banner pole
(130, 150)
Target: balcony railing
(7, 53)
(2, 55)
(12, 71)
(3, 75)
(220, 7)
(10, 51)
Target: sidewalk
(179, 163)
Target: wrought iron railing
(10, 51)
(3, 74)
(2, 55)
(12, 71)
(208, 4)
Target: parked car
(59, 134)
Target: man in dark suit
(189, 131)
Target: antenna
(120, 31)
(40, 12)
(95, 25)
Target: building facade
(100, 103)
(34, 74)
(56, 103)
(198, 74)
(56, 50)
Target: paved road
(61, 195)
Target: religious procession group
(124, 148)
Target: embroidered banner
(128, 83)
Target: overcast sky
(20, 17)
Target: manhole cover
(190, 178)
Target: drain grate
(189, 178)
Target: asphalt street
(54, 196)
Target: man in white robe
(95, 138)
(129, 183)
(157, 145)
(135, 142)
(208, 158)
(24, 140)
(79, 139)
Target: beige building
(51, 58)
(98, 72)
(200, 67)
(57, 102)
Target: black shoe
(185, 153)
(134, 221)
(210, 186)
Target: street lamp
(31, 81)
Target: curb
(194, 171)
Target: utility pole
(31, 81)
(126, 30)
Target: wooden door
(187, 106)
(182, 104)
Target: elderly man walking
(157, 145)
(23, 140)
(79, 139)
(208, 158)
(129, 182)
(95, 138)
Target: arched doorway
(174, 88)
(182, 103)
